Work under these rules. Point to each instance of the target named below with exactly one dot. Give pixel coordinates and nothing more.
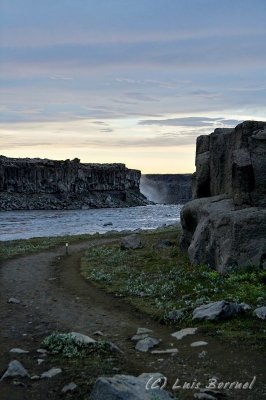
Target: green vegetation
(15, 248)
(83, 364)
(67, 346)
(86, 370)
(161, 281)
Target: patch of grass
(161, 281)
(14, 248)
(85, 371)
(83, 364)
(67, 346)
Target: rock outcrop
(46, 184)
(167, 188)
(225, 225)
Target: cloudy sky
(133, 81)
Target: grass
(67, 346)
(14, 248)
(85, 371)
(161, 282)
(83, 363)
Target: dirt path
(54, 296)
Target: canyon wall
(232, 162)
(166, 188)
(225, 225)
(46, 184)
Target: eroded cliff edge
(225, 225)
(38, 184)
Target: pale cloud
(60, 78)
(190, 121)
(204, 93)
(141, 96)
(36, 36)
(107, 130)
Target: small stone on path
(69, 387)
(199, 343)
(167, 351)
(13, 300)
(18, 351)
(142, 331)
(136, 338)
(184, 332)
(146, 344)
(51, 373)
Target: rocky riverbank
(40, 184)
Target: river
(28, 224)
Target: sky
(130, 81)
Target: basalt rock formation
(46, 184)
(225, 225)
(167, 188)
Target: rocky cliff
(46, 184)
(225, 225)
(166, 188)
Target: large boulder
(225, 224)
(216, 233)
(217, 311)
(126, 387)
